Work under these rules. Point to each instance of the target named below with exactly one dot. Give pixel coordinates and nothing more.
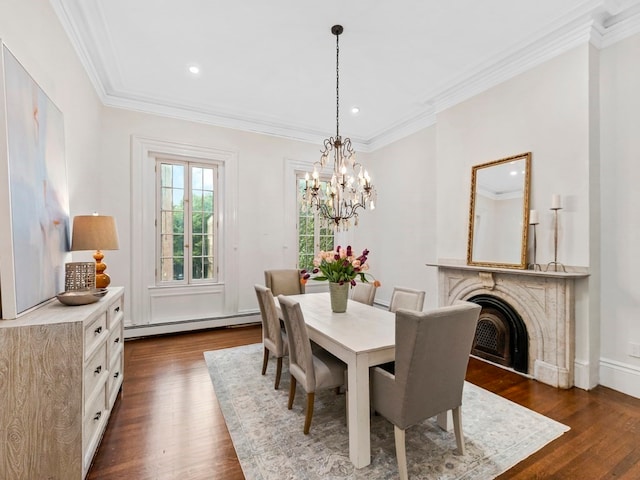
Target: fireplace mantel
(573, 272)
(544, 300)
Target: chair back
(406, 298)
(300, 353)
(432, 354)
(364, 293)
(271, 336)
(283, 282)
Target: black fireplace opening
(501, 335)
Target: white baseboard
(135, 331)
(620, 376)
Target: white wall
(32, 32)
(620, 252)
(544, 111)
(401, 231)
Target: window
(186, 222)
(313, 236)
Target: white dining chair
(408, 298)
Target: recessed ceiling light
(355, 110)
(194, 69)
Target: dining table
(362, 337)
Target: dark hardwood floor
(167, 423)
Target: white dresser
(61, 368)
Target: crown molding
(621, 26)
(187, 113)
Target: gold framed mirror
(499, 213)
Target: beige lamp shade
(95, 232)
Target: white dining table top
(362, 328)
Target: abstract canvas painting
(37, 198)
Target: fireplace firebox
(501, 335)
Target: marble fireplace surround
(544, 300)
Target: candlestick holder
(534, 266)
(555, 262)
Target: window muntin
(187, 229)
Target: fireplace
(527, 321)
(501, 335)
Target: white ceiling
(269, 66)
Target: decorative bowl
(100, 292)
(81, 297)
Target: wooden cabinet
(60, 373)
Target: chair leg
(278, 372)
(292, 392)
(307, 419)
(401, 453)
(457, 426)
(265, 359)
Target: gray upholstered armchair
(313, 369)
(274, 339)
(283, 282)
(432, 353)
(407, 298)
(364, 293)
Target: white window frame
(146, 296)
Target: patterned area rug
(270, 444)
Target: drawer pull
(98, 369)
(98, 331)
(97, 416)
(116, 375)
(117, 309)
(117, 340)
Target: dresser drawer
(93, 425)
(116, 340)
(94, 332)
(115, 312)
(95, 371)
(115, 379)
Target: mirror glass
(499, 213)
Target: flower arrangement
(339, 266)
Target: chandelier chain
(337, 85)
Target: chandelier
(349, 188)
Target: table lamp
(95, 232)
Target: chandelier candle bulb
(533, 217)
(555, 202)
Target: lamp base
(102, 279)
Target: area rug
(270, 444)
